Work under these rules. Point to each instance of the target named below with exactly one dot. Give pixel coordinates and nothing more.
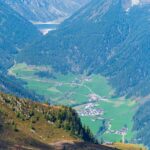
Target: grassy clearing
(100, 86)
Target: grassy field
(128, 146)
(119, 113)
(74, 90)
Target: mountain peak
(45, 10)
(135, 2)
(127, 4)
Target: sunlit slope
(29, 124)
(129, 146)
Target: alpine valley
(88, 74)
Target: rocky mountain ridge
(46, 10)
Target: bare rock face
(127, 4)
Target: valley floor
(109, 118)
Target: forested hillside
(104, 37)
(9, 84)
(15, 33)
(141, 124)
(81, 42)
(129, 64)
(27, 124)
(15, 29)
(46, 10)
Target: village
(90, 108)
(123, 131)
(90, 111)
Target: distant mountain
(128, 64)
(102, 38)
(15, 34)
(46, 10)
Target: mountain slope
(141, 124)
(15, 33)
(9, 84)
(26, 124)
(129, 65)
(100, 38)
(45, 10)
(81, 38)
(17, 30)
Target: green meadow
(74, 90)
